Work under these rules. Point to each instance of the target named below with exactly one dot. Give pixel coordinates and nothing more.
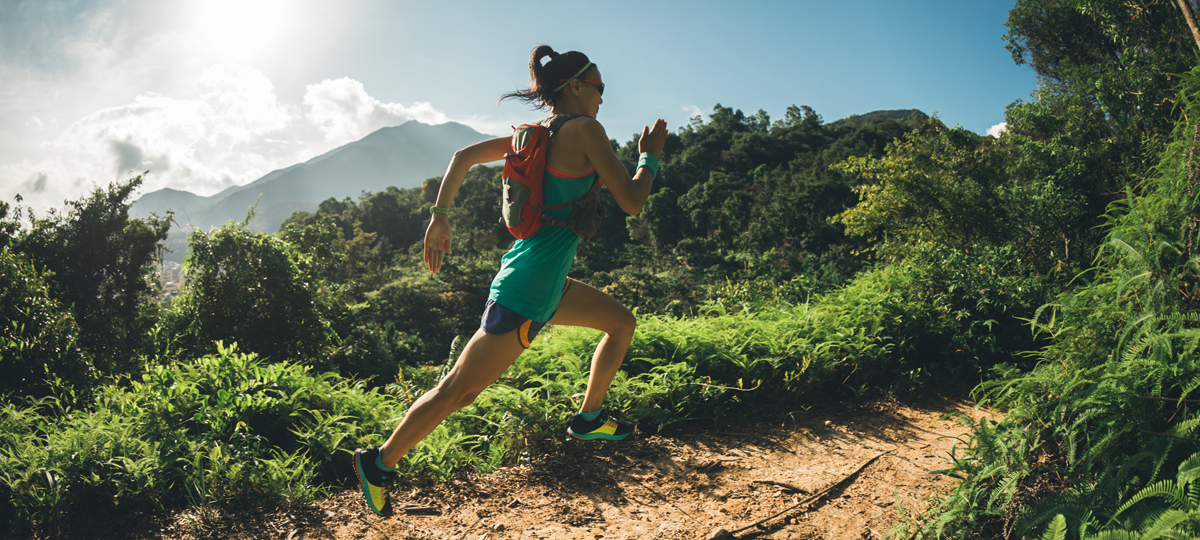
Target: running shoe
(603, 427)
(374, 481)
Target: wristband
(439, 210)
(648, 161)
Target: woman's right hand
(437, 241)
(652, 140)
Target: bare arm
(630, 193)
(480, 152)
(437, 234)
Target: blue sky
(210, 93)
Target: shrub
(1092, 431)
(254, 289)
(98, 263)
(225, 429)
(39, 344)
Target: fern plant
(1092, 428)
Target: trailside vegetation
(1053, 269)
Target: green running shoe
(374, 480)
(603, 427)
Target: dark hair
(543, 79)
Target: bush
(39, 345)
(1094, 432)
(99, 263)
(256, 290)
(225, 429)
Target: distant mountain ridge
(867, 118)
(402, 156)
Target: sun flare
(239, 29)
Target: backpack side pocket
(516, 195)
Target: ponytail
(545, 79)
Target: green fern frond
(1139, 328)
(1185, 427)
(1110, 439)
(1166, 489)
(1057, 529)
(1121, 479)
(1035, 324)
(1162, 458)
(1130, 253)
(1058, 506)
(1189, 470)
(1004, 490)
(1165, 522)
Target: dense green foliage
(40, 339)
(100, 263)
(222, 429)
(253, 289)
(776, 262)
(1101, 433)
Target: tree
(1122, 58)
(257, 290)
(1189, 14)
(100, 262)
(939, 184)
(39, 340)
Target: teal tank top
(533, 273)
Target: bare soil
(689, 485)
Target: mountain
(864, 119)
(402, 156)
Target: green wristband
(648, 161)
(439, 210)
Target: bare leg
(587, 306)
(482, 361)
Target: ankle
(379, 463)
(590, 416)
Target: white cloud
(91, 91)
(694, 111)
(43, 184)
(998, 129)
(233, 130)
(203, 144)
(344, 111)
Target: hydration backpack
(523, 203)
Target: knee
(623, 325)
(464, 399)
(455, 396)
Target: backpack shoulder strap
(555, 122)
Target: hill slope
(401, 156)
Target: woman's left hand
(437, 242)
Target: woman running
(532, 287)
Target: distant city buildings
(170, 276)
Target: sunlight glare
(240, 29)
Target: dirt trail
(679, 487)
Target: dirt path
(682, 487)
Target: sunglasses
(599, 85)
